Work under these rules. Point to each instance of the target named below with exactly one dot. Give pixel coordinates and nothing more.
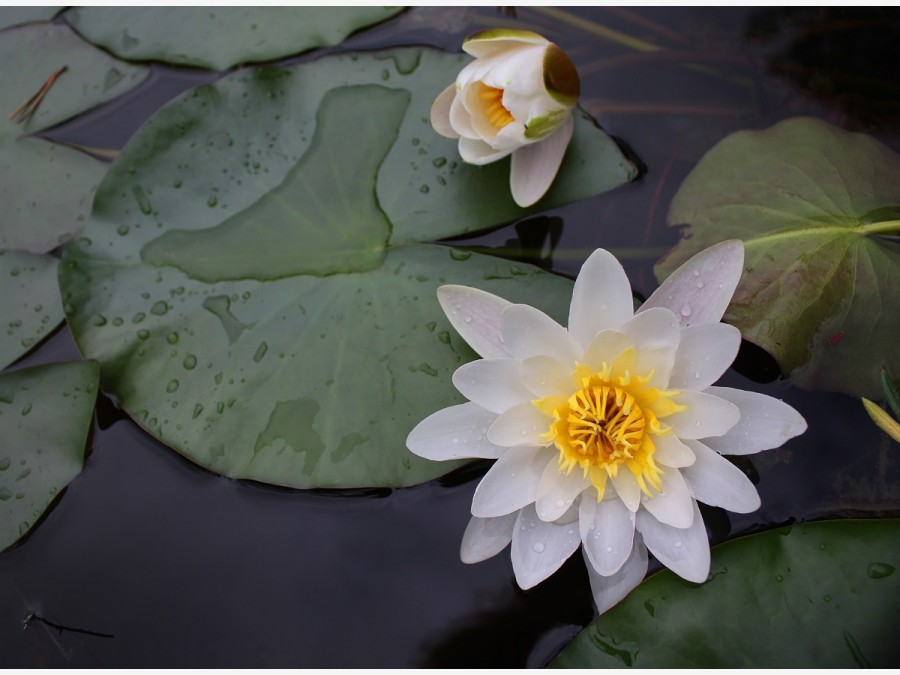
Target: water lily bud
(515, 98)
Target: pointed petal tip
(534, 166)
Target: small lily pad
(220, 37)
(821, 595)
(254, 278)
(818, 210)
(30, 304)
(45, 416)
(46, 188)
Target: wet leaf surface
(46, 188)
(820, 595)
(815, 206)
(45, 415)
(29, 305)
(220, 37)
(252, 279)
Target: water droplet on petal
(678, 544)
(538, 547)
(686, 310)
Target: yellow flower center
(494, 111)
(608, 423)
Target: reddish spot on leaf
(834, 339)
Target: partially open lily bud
(515, 98)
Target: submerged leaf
(820, 595)
(45, 416)
(46, 188)
(29, 306)
(220, 37)
(252, 279)
(813, 205)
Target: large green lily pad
(30, 304)
(45, 416)
(821, 595)
(812, 204)
(252, 279)
(46, 188)
(220, 37)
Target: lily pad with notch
(818, 210)
(254, 279)
(49, 75)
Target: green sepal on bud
(541, 127)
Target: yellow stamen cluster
(610, 422)
(494, 111)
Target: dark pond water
(147, 560)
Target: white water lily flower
(515, 98)
(606, 434)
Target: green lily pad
(220, 37)
(45, 416)
(16, 16)
(46, 188)
(812, 204)
(30, 303)
(252, 279)
(821, 595)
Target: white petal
(440, 112)
(699, 291)
(607, 532)
(706, 415)
(604, 348)
(511, 483)
(627, 488)
(612, 589)
(684, 551)
(601, 298)
(705, 353)
(654, 329)
(671, 452)
(717, 482)
(534, 166)
(557, 491)
(486, 537)
(539, 548)
(674, 505)
(765, 423)
(459, 118)
(523, 424)
(476, 151)
(655, 362)
(496, 40)
(475, 314)
(456, 432)
(546, 376)
(529, 332)
(494, 384)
